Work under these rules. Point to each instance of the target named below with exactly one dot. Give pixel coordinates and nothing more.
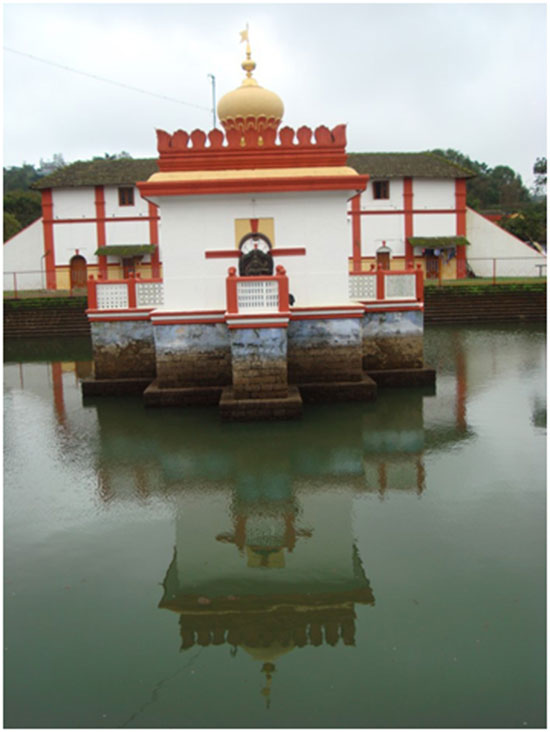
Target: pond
(372, 565)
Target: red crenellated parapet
(252, 143)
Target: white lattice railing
(400, 288)
(263, 294)
(149, 294)
(258, 295)
(385, 285)
(125, 294)
(362, 287)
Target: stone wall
(123, 349)
(393, 340)
(192, 355)
(259, 363)
(324, 350)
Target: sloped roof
(400, 165)
(127, 171)
(124, 171)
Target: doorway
(128, 267)
(432, 266)
(78, 272)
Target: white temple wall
(126, 232)
(488, 240)
(376, 229)
(434, 225)
(112, 208)
(395, 201)
(433, 194)
(74, 203)
(195, 224)
(70, 237)
(23, 253)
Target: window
(381, 189)
(125, 196)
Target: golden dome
(250, 99)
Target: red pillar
(100, 225)
(408, 208)
(154, 239)
(460, 198)
(49, 251)
(356, 231)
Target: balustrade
(125, 294)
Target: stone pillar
(259, 363)
(192, 355)
(123, 349)
(393, 340)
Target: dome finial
(248, 65)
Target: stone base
(248, 410)
(180, 396)
(114, 387)
(339, 391)
(403, 377)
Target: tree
(19, 178)
(499, 187)
(11, 226)
(25, 206)
(539, 169)
(528, 224)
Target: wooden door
(383, 260)
(432, 267)
(128, 267)
(78, 271)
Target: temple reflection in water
(265, 558)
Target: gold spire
(248, 65)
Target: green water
(373, 565)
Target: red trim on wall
(401, 212)
(395, 309)
(235, 253)
(100, 227)
(254, 185)
(408, 205)
(154, 238)
(198, 321)
(49, 249)
(104, 219)
(356, 232)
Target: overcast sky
(404, 77)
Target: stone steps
(445, 307)
(39, 322)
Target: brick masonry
(324, 350)
(123, 349)
(393, 340)
(259, 363)
(192, 355)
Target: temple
(257, 310)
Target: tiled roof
(438, 242)
(400, 165)
(125, 250)
(125, 171)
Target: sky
(403, 77)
